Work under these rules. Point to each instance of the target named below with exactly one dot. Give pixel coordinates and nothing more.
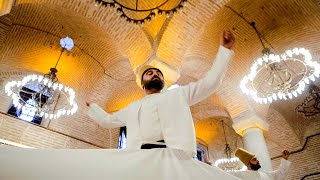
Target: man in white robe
(159, 122)
(165, 118)
(253, 165)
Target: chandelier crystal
(44, 94)
(139, 16)
(229, 164)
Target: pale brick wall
(21, 132)
(305, 162)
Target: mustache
(154, 77)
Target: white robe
(150, 126)
(104, 164)
(279, 174)
(173, 110)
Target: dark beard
(255, 167)
(154, 84)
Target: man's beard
(153, 84)
(255, 167)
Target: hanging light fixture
(278, 76)
(147, 14)
(43, 93)
(310, 108)
(229, 164)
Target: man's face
(152, 80)
(254, 163)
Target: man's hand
(285, 154)
(227, 39)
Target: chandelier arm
(288, 67)
(139, 10)
(26, 93)
(272, 80)
(150, 13)
(136, 19)
(297, 74)
(55, 105)
(282, 81)
(269, 77)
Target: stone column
(251, 128)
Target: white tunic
(149, 119)
(279, 174)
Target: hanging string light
(278, 76)
(229, 164)
(43, 94)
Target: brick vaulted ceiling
(187, 42)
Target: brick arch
(207, 116)
(132, 41)
(210, 131)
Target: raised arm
(282, 172)
(105, 119)
(206, 86)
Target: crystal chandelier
(284, 76)
(43, 93)
(229, 164)
(147, 14)
(310, 108)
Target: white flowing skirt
(96, 164)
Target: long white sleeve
(282, 172)
(197, 91)
(103, 118)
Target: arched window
(122, 142)
(202, 151)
